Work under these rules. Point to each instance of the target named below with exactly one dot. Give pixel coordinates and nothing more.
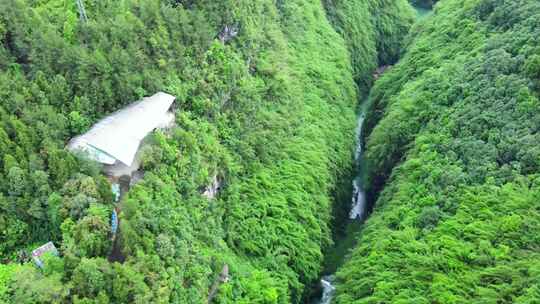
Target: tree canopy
(453, 162)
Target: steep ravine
(346, 240)
(360, 206)
(453, 144)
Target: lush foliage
(269, 112)
(373, 31)
(453, 142)
(423, 3)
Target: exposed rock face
(380, 70)
(223, 278)
(136, 177)
(212, 190)
(228, 33)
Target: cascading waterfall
(358, 205)
(328, 289)
(358, 197)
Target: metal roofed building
(115, 140)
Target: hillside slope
(374, 32)
(452, 146)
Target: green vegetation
(270, 112)
(425, 4)
(451, 141)
(422, 12)
(372, 32)
(452, 147)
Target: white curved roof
(119, 135)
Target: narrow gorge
(451, 163)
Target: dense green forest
(270, 111)
(267, 102)
(453, 155)
(371, 42)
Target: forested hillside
(268, 107)
(267, 96)
(453, 158)
(373, 34)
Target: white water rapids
(359, 197)
(328, 289)
(358, 207)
